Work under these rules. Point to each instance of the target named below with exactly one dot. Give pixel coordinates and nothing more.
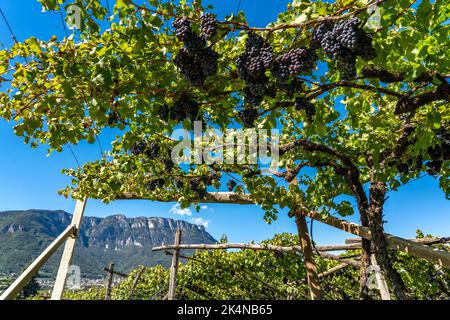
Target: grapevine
(195, 61)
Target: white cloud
(204, 207)
(201, 222)
(176, 209)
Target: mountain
(125, 241)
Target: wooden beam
(66, 260)
(211, 197)
(423, 241)
(17, 286)
(115, 272)
(174, 268)
(308, 256)
(438, 257)
(441, 258)
(348, 261)
(256, 247)
(335, 269)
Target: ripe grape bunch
(139, 147)
(252, 65)
(195, 61)
(113, 118)
(439, 153)
(153, 151)
(294, 62)
(150, 150)
(198, 187)
(183, 108)
(183, 31)
(231, 184)
(344, 42)
(302, 104)
(154, 184)
(208, 25)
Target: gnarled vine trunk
(379, 245)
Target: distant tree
(31, 289)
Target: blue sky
(30, 179)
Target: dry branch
(221, 246)
(333, 270)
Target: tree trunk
(379, 242)
(310, 266)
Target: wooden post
(310, 265)
(17, 286)
(174, 268)
(135, 283)
(109, 281)
(381, 282)
(66, 260)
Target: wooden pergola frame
(70, 235)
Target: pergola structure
(70, 235)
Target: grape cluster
(252, 65)
(198, 187)
(154, 184)
(302, 104)
(153, 151)
(439, 153)
(410, 165)
(436, 155)
(208, 25)
(183, 31)
(210, 178)
(248, 116)
(195, 61)
(150, 150)
(231, 184)
(434, 167)
(344, 42)
(294, 62)
(179, 183)
(139, 147)
(319, 33)
(197, 66)
(113, 118)
(183, 108)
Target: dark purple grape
(231, 184)
(208, 25)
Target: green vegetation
(267, 275)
